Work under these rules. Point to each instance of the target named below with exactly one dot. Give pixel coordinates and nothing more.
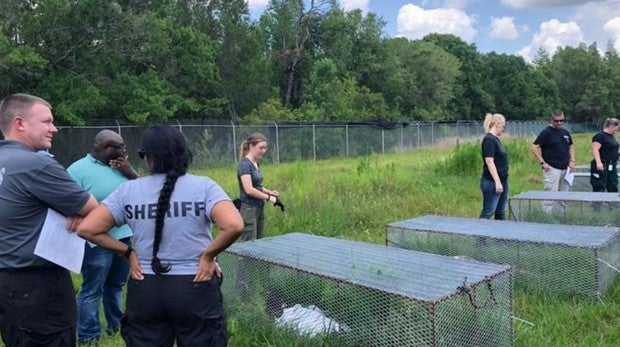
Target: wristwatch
(127, 253)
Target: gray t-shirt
(187, 227)
(29, 185)
(246, 167)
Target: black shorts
(37, 307)
(165, 308)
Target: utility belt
(32, 269)
(608, 165)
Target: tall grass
(354, 198)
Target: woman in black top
(494, 180)
(603, 173)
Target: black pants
(37, 307)
(606, 180)
(165, 308)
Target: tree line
(161, 60)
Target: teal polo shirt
(100, 180)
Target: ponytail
(251, 140)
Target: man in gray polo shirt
(37, 300)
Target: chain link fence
(320, 291)
(218, 144)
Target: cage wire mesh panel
(581, 260)
(578, 208)
(586, 169)
(581, 181)
(347, 293)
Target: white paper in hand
(59, 245)
(569, 177)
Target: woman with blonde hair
(494, 180)
(252, 193)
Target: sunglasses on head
(141, 153)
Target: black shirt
(609, 146)
(555, 146)
(492, 148)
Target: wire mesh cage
(346, 293)
(576, 208)
(581, 182)
(569, 259)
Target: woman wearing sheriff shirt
(173, 294)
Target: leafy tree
(612, 61)
(289, 28)
(333, 95)
(420, 78)
(354, 43)
(518, 90)
(21, 67)
(145, 98)
(75, 97)
(270, 110)
(147, 61)
(470, 101)
(243, 66)
(580, 75)
(369, 105)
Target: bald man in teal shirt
(103, 272)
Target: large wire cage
(313, 290)
(567, 259)
(576, 208)
(581, 182)
(581, 179)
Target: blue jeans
(493, 203)
(104, 273)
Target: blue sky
(504, 26)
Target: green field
(355, 198)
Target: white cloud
(257, 4)
(598, 9)
(612, 29)
(526, 53)
(503, 28)
(415, 22)
(593, 17)
(543, 3)
(349, 5)
(551, 35)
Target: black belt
(31, 269)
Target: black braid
(168, 150)
(163, 205)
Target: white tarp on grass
(309, 321)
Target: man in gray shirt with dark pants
(37, 299)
